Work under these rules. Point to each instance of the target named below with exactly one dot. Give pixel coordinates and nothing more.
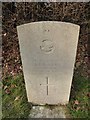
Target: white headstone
(48, 51)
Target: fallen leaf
(13, 86)
(17, 98)
(5, 87)
(78, 64)
(78, 108)
(76, 102)
(7, 91)
(5, 34)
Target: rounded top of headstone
(51, 22)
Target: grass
(79, 101)
(15, 105)
(14, 100)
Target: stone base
(47, 112)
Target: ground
(14, 94)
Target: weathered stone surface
(48, 112)
(48, 51)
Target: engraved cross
(47, 85)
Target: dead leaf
(76, 102)
(5, 34)
(17, 98)
(5, 87)
(7, 91)
(78, 108)
(78, 64)
(13, 86)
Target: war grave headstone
(48, 50)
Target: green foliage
(15, 104)
(14, 100)
(79, 101)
